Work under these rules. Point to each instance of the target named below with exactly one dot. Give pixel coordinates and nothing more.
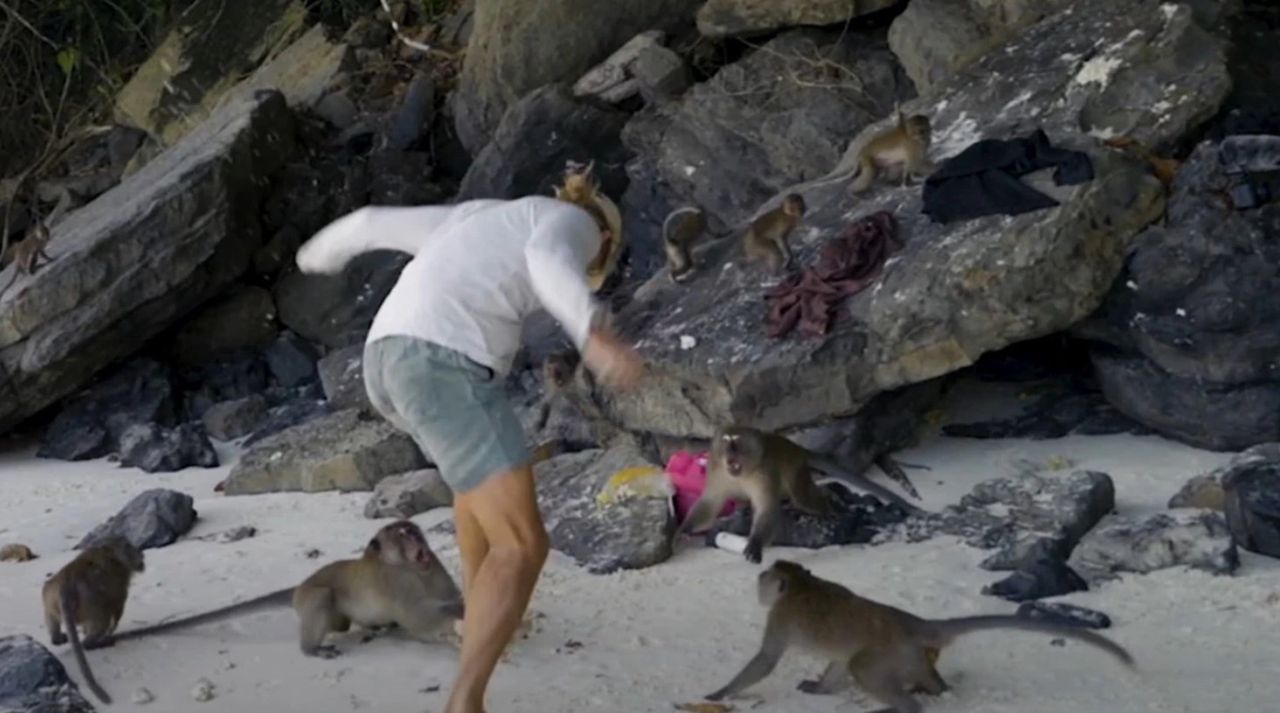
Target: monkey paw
(754, 553)
(811, 686)
(59, 639)
(327, 652)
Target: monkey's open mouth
(735, 465)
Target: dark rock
(503, 65)
(342, 376)
(1203, 491)
(406, 495)
(402, 178)
(1187, 337)
(1053, 416)
(307, 195)
(164, 241)
(347, 451)
(33, 680)
(729, 18)
(336, 310)
(278, 252)
(287, 415)
(292, 360)
(629, 533)
(237, 376)
(858, 519)
(1025, 549)
(229, 420)
(413, 119)
(1198, 539)
(1040, 579)
(337, 109)
(1251, 498)
(642, 67)
(90, 425)
(155, 518)
(537, 135)
(159, 449)
(1065, 614)
(243, 319)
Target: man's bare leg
(506, 508)
(472, 545)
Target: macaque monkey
(89, 593)
(903, 148)
(396, 581)
(27, 253)
(765, 468)
(557, 371)
(766, 238)
(689, 224)
(888, 652)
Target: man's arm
(402, 228)
(558, 253)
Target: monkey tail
(68, 604)
(666, 224)
(282, 597)
(940, 632)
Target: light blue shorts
(456, 409)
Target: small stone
(16, 553)
(154, 518)
(403, 496)
(292, 360)
(158, 449)
(235, 534)
(142, 697)
(229, 420)
(203, 691)
(1045, 578)
(1066, 614)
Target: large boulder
(347, 451)
(141, 256)
(1187, 337)
(1251, 498)
(727, 18)
(955, 290)
(1197, 539)
(33, 679)
(537, 135)
(154, 518)
(509, 53)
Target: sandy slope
(649, 638)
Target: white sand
(650, 638)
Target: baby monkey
(396, 581)
(27, 253)
(89, 593)
(765, 468)
(766, 238)
(888, 652)
(689, 224)
(903, 148)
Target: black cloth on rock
(984, 178)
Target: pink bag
(688, 473)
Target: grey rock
(404, 496)
(244, 318)
(160, 449)
(278, 252)
(337, 109)
(1053, 415)
(1188, 335)
(413, 119)
(1023, 550)
(229, 420)
(1203, 492)
(1066, 614)
(292, 360)
(402, 178)
(336, 310)
(154, 518)
(504, 63)
(934, 309)
(142, 256)
(631, 533)
(287, 414)
(235, 534)
(347, 451)
(858, 519)
(91, 425)
(1197, 539)
(642, 67)
(730, 18)
(235, 376)
(1250, 485)
(1036, 580)
(537, 135)
(342, 376)
(33, 680)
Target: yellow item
(641, 481)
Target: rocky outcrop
(537, 135)
(406, 495)
(640, 67)
(347, 451)
(141, 256)
(1251, 498)
(244, 318)
(1187, 337)
(729, 18)
(603, 536)
(955, 290)
(154, 518)
(509, 54)
(33, 680)
(1196, 539)
(342, 376)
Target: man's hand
(615, 364)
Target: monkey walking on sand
(89, 593)
(766, 237)
(903, 148)
(396, 581)
(888, 652)
(680, 230)
(765, 468)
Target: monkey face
(794, 204)
(401, 543)
(732, 453)
(918, 126)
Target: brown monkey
(557, 371)
(89, 593)
(888, 652)
(765, 468)
(396, 581)
(766, 237)
(27, 253)
(903, 148)
(677, 242)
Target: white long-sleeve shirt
(479, 269)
